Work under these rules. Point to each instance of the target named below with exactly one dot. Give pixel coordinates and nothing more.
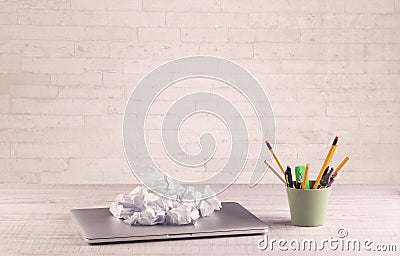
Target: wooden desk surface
(34, 220)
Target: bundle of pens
(325, 177)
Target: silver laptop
(98, 225)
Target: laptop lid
(98, 225)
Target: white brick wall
(67, 68)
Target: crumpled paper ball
(183, 205)
(143, 207)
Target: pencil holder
(308, 207)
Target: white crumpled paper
(143, 207)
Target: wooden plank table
(34, 220)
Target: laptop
(98, 225)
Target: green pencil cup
(308, 207)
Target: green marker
(301, 170)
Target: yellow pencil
(275, 171)
(340, 166)
(275, 157)
(303, 185)
(326, 162)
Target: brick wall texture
(67, 68)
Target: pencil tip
(268, 145)
(335, 140)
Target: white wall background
(67, 68)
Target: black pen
(326, 178)
(321, 184)
(289, 175)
